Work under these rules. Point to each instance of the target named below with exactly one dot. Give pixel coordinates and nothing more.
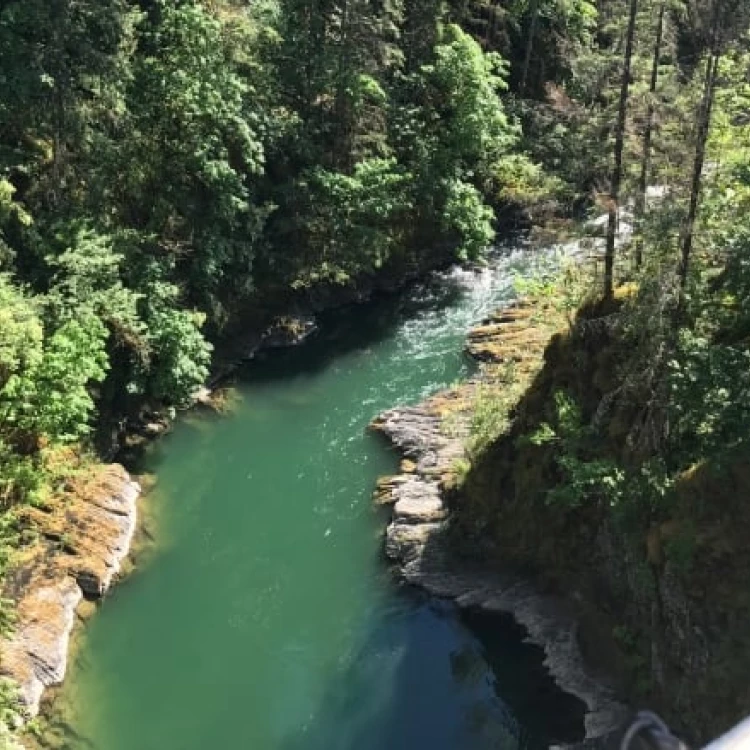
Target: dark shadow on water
(352, 328)
(522, 681)
(345, 330)
(362, 325)
(428, 677)
(432, 682)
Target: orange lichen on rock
(82, 540)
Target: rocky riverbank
(433, 438)
(83, 538)
(81, 543)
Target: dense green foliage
(167, 165)
(164, 165)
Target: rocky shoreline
(81, 545)
(85, 539)
(83, 542)
(433, 438)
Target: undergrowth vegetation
(629, 448)
(552, 288)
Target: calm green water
(266, 618)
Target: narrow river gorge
(265, 616)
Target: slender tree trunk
(62, 76)
(704, 126)
(492, 29)
(614, 194)
(342, 135)
(534, 11)
(640, 206)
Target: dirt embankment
(661, 586)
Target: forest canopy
(168, 165)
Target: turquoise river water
(264, 617)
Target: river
(264, 617)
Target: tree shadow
(522, 680)
(422, 679)
(349, 329)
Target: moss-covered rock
(671, 584)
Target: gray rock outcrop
(417, 537)
(81, 551)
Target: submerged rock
(289, 330)
(83, 543)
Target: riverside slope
(82, 545)
(433, 437)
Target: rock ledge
(433, 437)
(83, 543)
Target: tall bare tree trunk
(495, 11)
(704, 126)
(718, 13)
(341, 146)
(640, 205)
(533, 23)
(614, 193)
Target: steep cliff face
(666, 591)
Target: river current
(263, 615)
